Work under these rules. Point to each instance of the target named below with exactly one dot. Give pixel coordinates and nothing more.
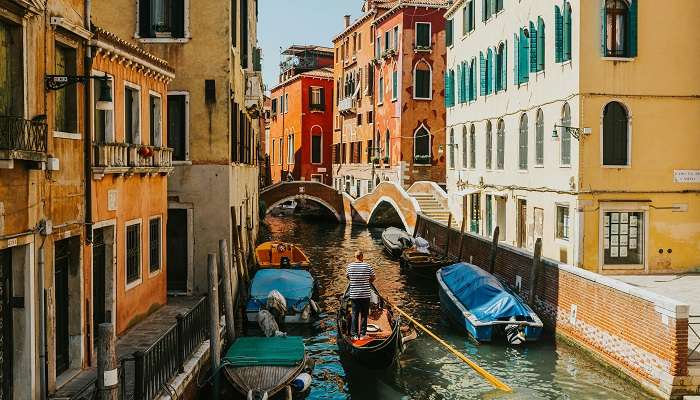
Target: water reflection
(549, 369)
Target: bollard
(107, 370)
(228, 291)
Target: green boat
(259, 366)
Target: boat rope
(497, 383)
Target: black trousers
(360, 310)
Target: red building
(301, 116)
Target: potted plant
(375, 160)
(386, 160)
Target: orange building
(126, 264)
(301, 117)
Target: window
(540, 44)
(104, 119)
(244, 27)
(132, 115)
(472, 147)
(615, 135)
(422, 81)
(423, 35)
(316, 141)
(387, 41)
(562, 222)
(286, 103)
(539, 138)
(472, 80)
(449, 32)
(623, 237)
(489, 145)
(394, 85)
(500, 144)
(163, 19)
(317, 99)
(619, 29)
(468, 23)
(154, 247)
(381, 90)
(522, 155)
(11, 70)
(450, 88)
(272, 152)
(474, 212)
(359, 119)
(133, 253)
(566, 31)
(279, 162)
(566, 135)
(378, 49)
(452, 148)
(465, 148)
(387, 145)
(558, 35)
(177, 125)
(500, 69)
(498, 5)
(421, 146)
(273, 107)
(488, 8)
(67, 98)
(370, 117)
(396, 38)
(522, 57)
(156, 121)
(290, 149)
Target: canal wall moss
(641, 334)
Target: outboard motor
(514, 334)
(277, 305)
(268, 325)
(284, 262)
(257, 395)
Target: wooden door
(6, 330)
(99, 293)
(178, 256)
(522, 223)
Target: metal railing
(22, 134)
(694, 331)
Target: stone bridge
(388, 202)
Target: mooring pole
(461, 236)
(535, 270)
(494, 250)
(228, 292)
(107, 371)
(449, 235)
(234, 247)
(214, 340)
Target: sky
(282, 23)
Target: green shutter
(558, 35)
(533, 48)
(323, 99)
(541, 40)
(459, 86)
(394, 85)
(523, 57)
(449, 32)
(504, 67)
(489, 71)
(447, 88)
(484, 8)
(145, 25)
(178, 18)
(634, 16)
(482, 74)
(516, 56)
(567, 31)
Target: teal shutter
(492, 4)
(516, 55)
(567, 31)
(541, 40)
(448, 32)
(523, 57)
(603, 29)
(482, 74)
(473, 68)
(463, 82)
(533, 48)
(459, 86)
(504, 67)
(484, 8)
(489, 71)
(452, 88)
(558, 35)
(634, 16)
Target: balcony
(22, 139)
(124, 159)
(347, 105)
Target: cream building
(556, 114)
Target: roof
(297, 49)
(321, 73)
(109, 38)
(400, 4)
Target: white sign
(112, 200)
(12, 242)
(321, 170)
(686, 176)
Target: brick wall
(642, 334)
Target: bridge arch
(339, 204)
(317, 200)
(381, 206)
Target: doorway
(6, 348)
(501, 217)
(489, 215)
(178, 256)
(62, 264)
(522, 223)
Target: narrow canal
(550, 369)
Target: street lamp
(573, 131)
(58, 82)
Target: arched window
(452, 148)
(501, 67)
(387, 145)
(501, 145)
(489, 145)
(566, 135)
(615, 134)
(472, 147)
(421, 147)
(616, 28)
(465, 148)
(539, 138)
(522, 153)
(422, 81)
(540, 44)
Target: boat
(384, 340)
(280, 255)
(478, 302)
(417, 261)
(286, 208)
(295, 285)
(395, 241)
(262, 367)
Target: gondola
(479, 303)
(419, 262)
(281, 255)
(395, 241)
(262, 367)
(384, 344)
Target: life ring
(281, 248)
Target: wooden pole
(214, 339)
(234, 247)
(494, 250)
(461, 236)
(107, 371)
(228, 292)
(535, 270)
(485, 374)
(241, 254)
(449, 235)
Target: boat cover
(482, 294)
(264, 351)
(295, 285)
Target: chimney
(347, 21)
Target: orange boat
(281, 255)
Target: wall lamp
(573, 131)
(58, 82)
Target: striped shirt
(359, 274)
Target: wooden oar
(485, 374)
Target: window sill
(183, 162)
(153, 274)
(562, 241)
(567, 63)
(620, 59)
(565, 166)
(523, 171)
(394, 100)
(164, 40)
(67, 135)
(422, 98)
(130, 286)
(538, 166)
(616, 166)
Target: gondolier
(361, 275)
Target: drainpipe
(87, 141)
(43, 351)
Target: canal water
(549, 369)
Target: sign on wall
(686, 176)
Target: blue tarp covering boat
(479, 302)
(297, 287)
